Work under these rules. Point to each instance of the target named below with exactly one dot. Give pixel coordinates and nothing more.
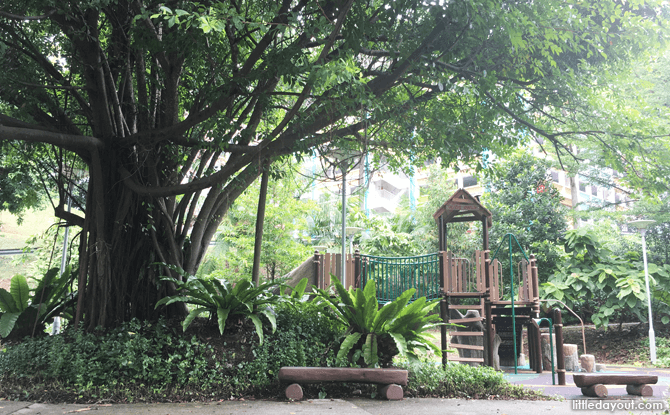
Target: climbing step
(464, 295)
(465, 333)
(466, 320)
(467, 359)
(507, 311)
(466, 346)
(465, 307)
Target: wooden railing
(431, 274)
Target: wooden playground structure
(499, 304)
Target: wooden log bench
(594, 385)
(390, 381)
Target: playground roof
(463, 207)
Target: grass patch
(14, 236)
(429, 379)
(10, 266)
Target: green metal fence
(394, 275)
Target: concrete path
(572, 403)
(357, 406)
(543, 382)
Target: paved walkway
(358, 406)
(573, 403)
(543, 382)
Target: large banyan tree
(157, 115)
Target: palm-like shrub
(223, 300)
(24, 311)
(377, 334)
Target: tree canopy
(524, 202)
(172, 107)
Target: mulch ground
(617, 345)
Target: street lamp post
(642, 225)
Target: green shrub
(223, 299)
(137, 352)
(305, 336)
(21, 313)
(662, 350)
(430, 379)
(143, 361)
(377, 334)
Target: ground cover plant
(160, 362)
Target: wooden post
(442, 234)
(558, 329)
(443, 310)
(318, 275)
(534, 335)
(536, 287)
(357, 269)
(488, 311)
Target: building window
(582, 187)
(469, 181)
(594, 190)
(554, 176)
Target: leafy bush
(305, 336)
(376, 335)
(601, 285)
(143, 361)
(429, 378)
(135, 352)
(22, 312)
(222, 299)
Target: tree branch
(75, 143)
(25, 18)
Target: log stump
(571, 357)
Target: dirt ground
(616, 345)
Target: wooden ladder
(479, 307)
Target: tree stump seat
(390, 381)
(594, 385)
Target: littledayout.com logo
(632, 405)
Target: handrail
(580, 320)
(399, 257)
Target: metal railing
(394, 275)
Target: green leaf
(270, 316)
(349, 342)
(400, 343)
(191, 316)
(7, 322)
(20, 291)
(299, 289)
(259, 326)
(370, 356)
(222, 316)
(7, 303)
